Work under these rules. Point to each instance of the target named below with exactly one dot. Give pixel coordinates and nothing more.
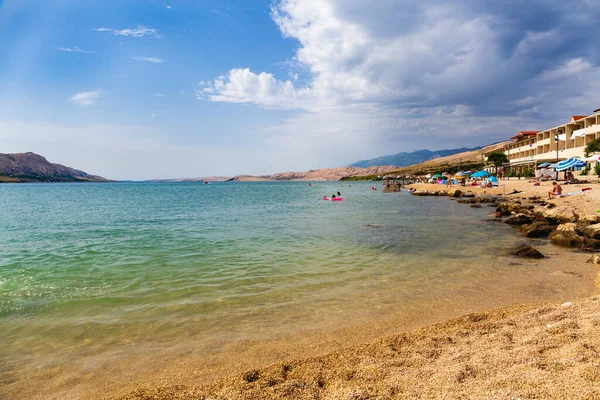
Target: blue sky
(182, 88)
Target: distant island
(31, 167)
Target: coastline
(530, 350)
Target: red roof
(524, 135)
(528, 133)
(578, 117)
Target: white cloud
(138, 32)
(169, 7)
(75, 49)
(158, 95)
(154, 60)
(244, 86)
(84, 99)
(153, 115)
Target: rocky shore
(534, 216)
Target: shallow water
(93, 276)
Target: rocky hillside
(405, 159)
(328, 174)
(466, 160)
(31, 167)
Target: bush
(585, 171)
(597, 169)
(512, 173)
(528, 173)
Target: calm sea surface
(87, 270)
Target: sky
(144, 89)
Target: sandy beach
(526, 351)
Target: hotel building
(530, 148)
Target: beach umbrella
(593, 158)
(437, 176)
(570, 163)
(544, 165)
(467, 172)
(480, 174)
(492, 179)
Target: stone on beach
(560, 215)
(589, 219)
(595, 259)
(455, 193)
(593, 231)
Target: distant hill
(327, 174)
(31, 167)
(202, 179)
(405, 159)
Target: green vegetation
(597, 169)
(592, 147)
(24, 178)
(528, 173)
(497, 159)
(586, 170)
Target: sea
(109, 286)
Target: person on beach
(556, 191)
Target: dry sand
(586, 203)
(542, 351)
(536, 351)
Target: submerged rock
(528, 252)
(476, 206)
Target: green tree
(497, 159)
(592, 147)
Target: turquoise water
(93, 267)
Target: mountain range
(405, 159)
(31, 167)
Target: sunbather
(556, 191)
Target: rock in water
(537, 230)
(528, 252)
(455, 193)
(566, 238)
(519, 219)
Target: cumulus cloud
(84, 99)
(514, 65)
(75, 49)
(154, 60)
(138, 32)
(244, 86)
